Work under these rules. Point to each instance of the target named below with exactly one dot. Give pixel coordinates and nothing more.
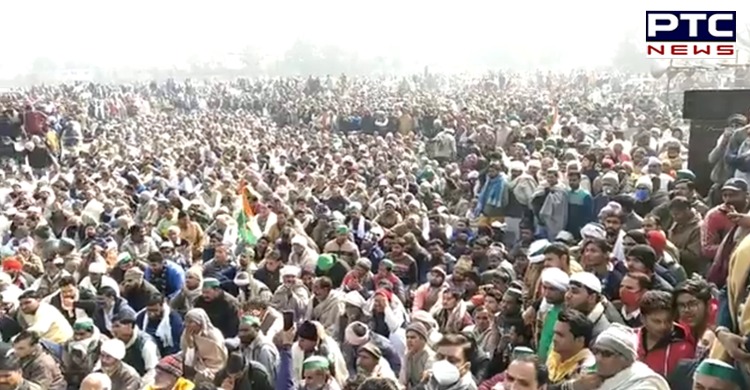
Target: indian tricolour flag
(247, 227)
(553, 121)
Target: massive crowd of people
(520, 232)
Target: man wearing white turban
(554, 285)
(98, 278)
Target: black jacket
(138, 298)
(681, 378)
(270, 279)
(480, 365)
(256, 377)
(223, 313)
(9, 327)
(121, 308)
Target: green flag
(245, 233)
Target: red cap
(657, 240)
(12, 264)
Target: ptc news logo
(691, 34)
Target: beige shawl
(328, 312)
(204, 351)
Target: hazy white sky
(160, 32)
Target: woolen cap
(418, 328)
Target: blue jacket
(376, 255)
(122, 308)
(173, 274)
(580, 211)
(175, 324)
(285, 374)
(736, 159)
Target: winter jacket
(173, 275)
(121, 309)
(125, 377)
(294, 298)
(285, 373)
(603, 314)
(223, 312)
(139, 296)
(271, 279)
(389, 354)
(9, 327)
(660, 280)
(41, 368)
(83, 296)
(256, 377)
(176, 326)
(665, 355)
(666, 217)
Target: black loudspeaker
(708, 111)
(715, 105)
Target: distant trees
(43, 68)
(304, 58)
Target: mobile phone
(288, 319)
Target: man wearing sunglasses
(616, 351)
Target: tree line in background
(304, 58)
(300, 59)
